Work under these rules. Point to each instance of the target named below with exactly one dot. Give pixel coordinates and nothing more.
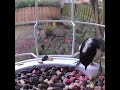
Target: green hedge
(31, 3)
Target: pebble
(103, 87)
(34, 81)
(61, 85)
(50, 88)
(100, 83)
(50, 82)
(56, 78)
(22, 81)
(43, 86)
(66, 87)
(92, 86)
(66, 81)
(27, 86)
(84, 83)
(58, 72)
(58, 88)
(46, 80)
(29, 74)
(72, 86)
(72, 79)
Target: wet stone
(35, 81)
(84, 83)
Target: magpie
(91, 49)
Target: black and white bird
(91, 50)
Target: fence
(82, 12)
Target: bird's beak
(85, 68)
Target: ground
(22, 32)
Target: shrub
(48, 28)
(31, 3)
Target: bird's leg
(100, 69)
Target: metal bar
(36, 10)
(23, 23)
(88, 23)
(33, 22)
(54, 21)
(36, 44)
(103, 1)
(76, 54)
(35, 36)
(95, 24)
(72, 11)
(69, 57)
(104, 36)
(73, 42)
(57, 56)
(23, 54)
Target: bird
(91, 49)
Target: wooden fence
(28, 13)
(82, 12)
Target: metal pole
(88, 23)
(36, 16)
(24, 54)
(103, 1)
(73, 41)
(33, 22)
(36, 10)
(36, 43)
(72, 11)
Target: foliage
(49, 28)
(23, 3)
(79, 37)
(23, 46)
(82, 12)
(48, 51)
(31, 3)
(53, 3)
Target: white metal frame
(69, 21)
